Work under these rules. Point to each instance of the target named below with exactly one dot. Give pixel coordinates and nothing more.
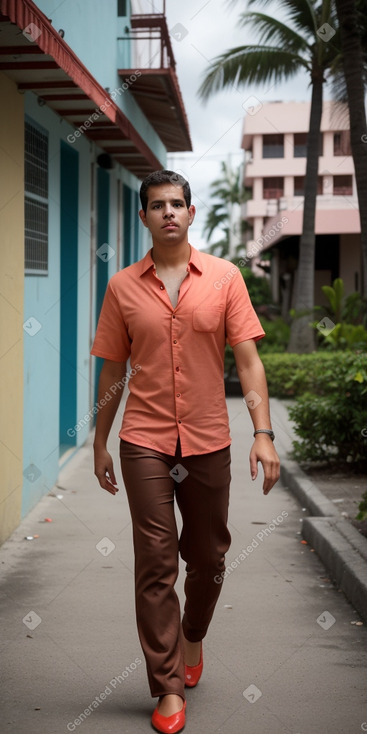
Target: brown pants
(201, 486)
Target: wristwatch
(265, 430)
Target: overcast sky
(208, 28)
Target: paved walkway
(283, 654)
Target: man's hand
(263, 450)
(103, 469)
(110, 383)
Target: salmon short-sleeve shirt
(176, 383)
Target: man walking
(171, 315)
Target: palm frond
(251, 64)
(270, 29)
(302, 14)
(220, 249)
(215, 219)
(337, 86)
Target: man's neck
(172, 257)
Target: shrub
(362, 515)
(277, 335)
(345, 336)
(332, 420)
(257, 286)
(355, 310)
(347, 316)
(291, 375)
(330, 409)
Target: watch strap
(265, 430)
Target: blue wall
(69, 200)
(128, 218)
(42, 351)
(103, 205)
(44, 387)
(91, 29)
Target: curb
(339, 545)
(306, 491)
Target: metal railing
(149, 38)
(148, 7)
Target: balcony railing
(156, 90)
(323, 202)
(147, 7)
(149, 42)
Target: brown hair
(157, 178)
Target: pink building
(274, 140)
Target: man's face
(167, 216)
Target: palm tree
(308, 39)
(227, 192)
(352, 20)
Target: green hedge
(330, 403)
(320, 373)
(330, 409)
(277, 336)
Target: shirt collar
(195, 261)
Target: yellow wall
(11, 304)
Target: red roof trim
(25, 12)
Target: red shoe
(169, 724)
(193, 672)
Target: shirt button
(178, 395)
(175, 341)
(179, 421)
(177, 369)
(173, 316)
(162, 287)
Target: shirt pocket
(206, 319)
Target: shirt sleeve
(242, 322)
(111, 340)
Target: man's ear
(192, 212)
(143, 217)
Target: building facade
(92, 106)
(274, 141)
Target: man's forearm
(254, 386)
(111, 385)
(255, 391)
(250, 370)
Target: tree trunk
(302, 337)
(353, 71)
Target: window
(36, 200)
(299, 185)
(122, 8)
(273, 188)
(273, 146)
(300, 145)
(343, 186)
(342, 143)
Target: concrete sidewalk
(283, 653)
(342, 549)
